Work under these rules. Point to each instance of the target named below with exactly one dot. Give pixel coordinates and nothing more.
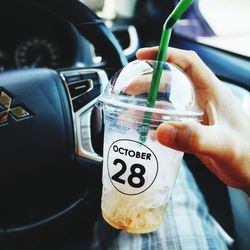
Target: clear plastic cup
(139, 175)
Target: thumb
(189, 137)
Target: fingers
(188, 61)
(189, 137)
(141, 84)
(147, 53)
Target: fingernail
(166, 132)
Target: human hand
(222, 141)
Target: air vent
(123, 37)
(128, 38)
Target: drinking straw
(174, 16)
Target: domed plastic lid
(129, 88)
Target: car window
(227, 19)
(220, 23)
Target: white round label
(132, 166)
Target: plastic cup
(138, 177)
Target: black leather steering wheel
(42, 114)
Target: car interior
(56, 57)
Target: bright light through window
(230, 20)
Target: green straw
(161, 56)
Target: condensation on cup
(138, 172)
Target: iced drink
(137, 180)
(139, 176)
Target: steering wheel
(45, 126)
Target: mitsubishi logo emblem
(6, 109)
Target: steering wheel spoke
(83, 87)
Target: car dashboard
(32, 36)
